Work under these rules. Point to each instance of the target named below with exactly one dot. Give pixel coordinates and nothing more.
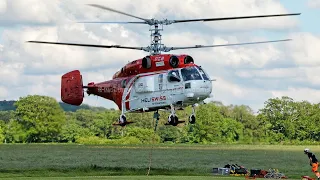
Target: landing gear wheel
(122, 120)
(176, 121)
(173, 120)
(192, 119)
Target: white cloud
(57, 59)
(300, 94)
(3, 92)
(313, 76)
(76, 9)
(3, 6)
(304, 75)
(31, 11)
(230, 93)
(254, 55)
(10, 73)
(313, 3)
(305, 49)
(272, 73)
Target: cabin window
(190, 73)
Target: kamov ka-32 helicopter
(154, 82)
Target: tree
(41, 118)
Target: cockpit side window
(204, 75)
(190, 73)
(174, 73)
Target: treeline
(39, 119)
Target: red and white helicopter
(156, 81)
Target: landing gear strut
(156, 116)
(192, 117)
(173, 118)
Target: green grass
(45, 160)
(131, 178)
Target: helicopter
(155, 82)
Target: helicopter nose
(198, 89)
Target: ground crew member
(313, 162)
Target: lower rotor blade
(220, 45)
(88, 45)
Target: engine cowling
(174, 61)
(188, 60)
(146, 62)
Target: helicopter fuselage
(179, 82)
(157, 90)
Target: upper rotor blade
(116, 11)
(237, 44)
(230, 18)
(107, 22)
(88, 45)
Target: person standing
(313, 162)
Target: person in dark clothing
(313, 162)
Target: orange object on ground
(306, 178)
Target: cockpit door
(174, 84)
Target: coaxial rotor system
(156, 47)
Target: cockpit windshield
(190, 73)
(204, 75)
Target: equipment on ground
(221, 171)
(307, 178)
(237, 170)
(258, 173)
(155, 82)
(275, 174)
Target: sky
(248, 75)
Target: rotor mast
(156, 37)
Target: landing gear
(122, 121)
(173, 118)
(192, 117)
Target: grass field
(131, 162)
(129, 178)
